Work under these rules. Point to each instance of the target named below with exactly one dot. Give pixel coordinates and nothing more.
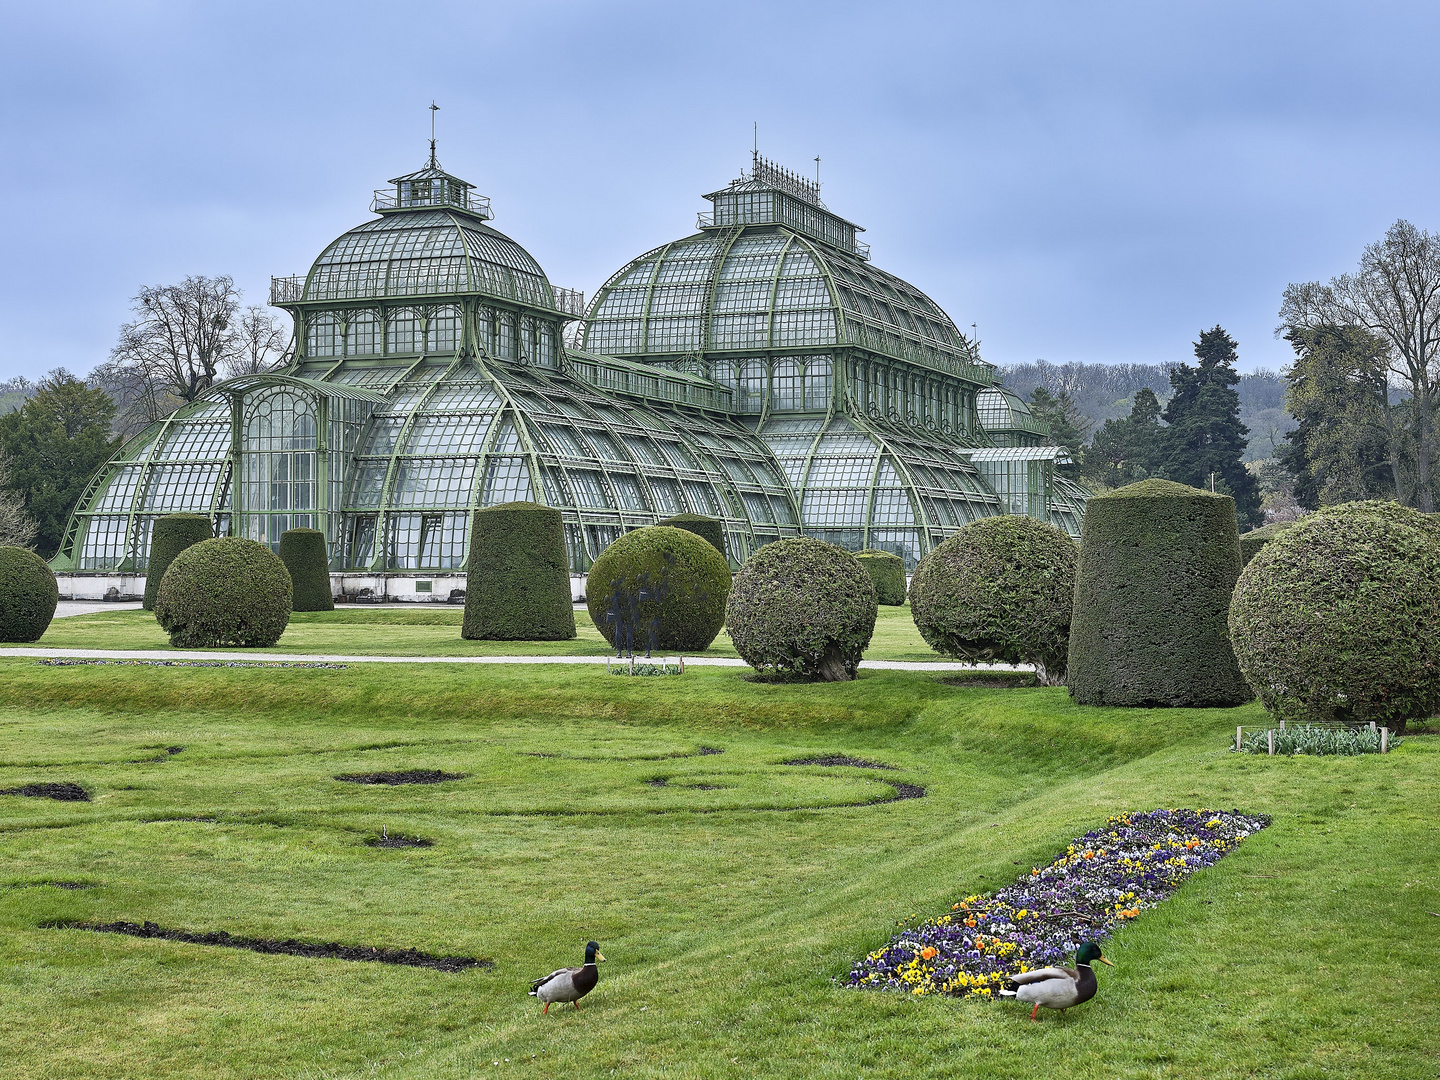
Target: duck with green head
(1057, 987)
(569, 984)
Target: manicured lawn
(426, 631)
(728, 901)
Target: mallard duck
(571, 984)
(1057, 988)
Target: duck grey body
(1056, 987)
(569, 984)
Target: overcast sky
(1083, 181)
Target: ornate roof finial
(433, 110)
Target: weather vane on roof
(433, 110)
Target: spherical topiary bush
(28, 595)
(304, 554)
(710, 528)
(1252, 541)
(1000, 590)
(1158, 561)
(887, 572)
(517, 579)
(223, 592)
(1338, 618)
(169, 536)
(802, 607)
(659, 588)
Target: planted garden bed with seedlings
(1316, 739)
(1104, 878)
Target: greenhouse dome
(761, 372)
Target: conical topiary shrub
(171, 535)
(710, 528)
(659, 588)
(517, 584)
(1158, 562)
(887, 571)
(28, 594)
(304, 555)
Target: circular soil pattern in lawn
(407, 776)
(398, 840)
(838, 759)
(63, 791)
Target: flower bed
(1318, 739)
(1103, 879)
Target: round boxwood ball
(887, 571)
(1158, 561)
(169, 536)
(1338, 617)
(28, 595)
(224, 592)
(305, 556)
(1000, 590)
(659, 587)
(804, 608)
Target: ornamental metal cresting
(760, 371)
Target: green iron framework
(761, 371)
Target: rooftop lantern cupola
(771, 195)
(429, 188)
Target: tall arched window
(818, 383)
(278, 465)
(362, 337)
(322, 336)
(404, 332)
(442, 329)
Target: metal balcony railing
(570, 301)
(479, 205)
(287, 290)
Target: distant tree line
(56, 433)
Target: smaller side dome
(1007, 419)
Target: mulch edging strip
(63, 791)
(290, 947)
(407, 776)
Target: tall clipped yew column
(304, 554)
(517, 584)
(1158, 562)
(171, 535)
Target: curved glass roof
(765, 288)
(425, 252)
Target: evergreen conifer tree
(1069, 427)
(1127, 449)
(1205, 438)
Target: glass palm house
(761, 371)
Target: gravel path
(326, 658)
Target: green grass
(429, 630)
(726, 913)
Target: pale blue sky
(1085, 181)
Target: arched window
(362, 337)
(322, 336)
(404, 332)
(818, 383)
(789, 391)
(442, 330)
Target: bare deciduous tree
(17, 527)
(260, 343)
(183, 336)
(1395, 295)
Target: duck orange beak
(1104, 961)
(600, 959)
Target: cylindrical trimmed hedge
(1158, 562)
(304, 554)
(659, 588)
(28, 594)
(710, 528)
(1251, 542)
(887, 572)
(802, 607)
(169, 536)
(1000, 590)
(1338, 618)
(517, 584)
(224, 592)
